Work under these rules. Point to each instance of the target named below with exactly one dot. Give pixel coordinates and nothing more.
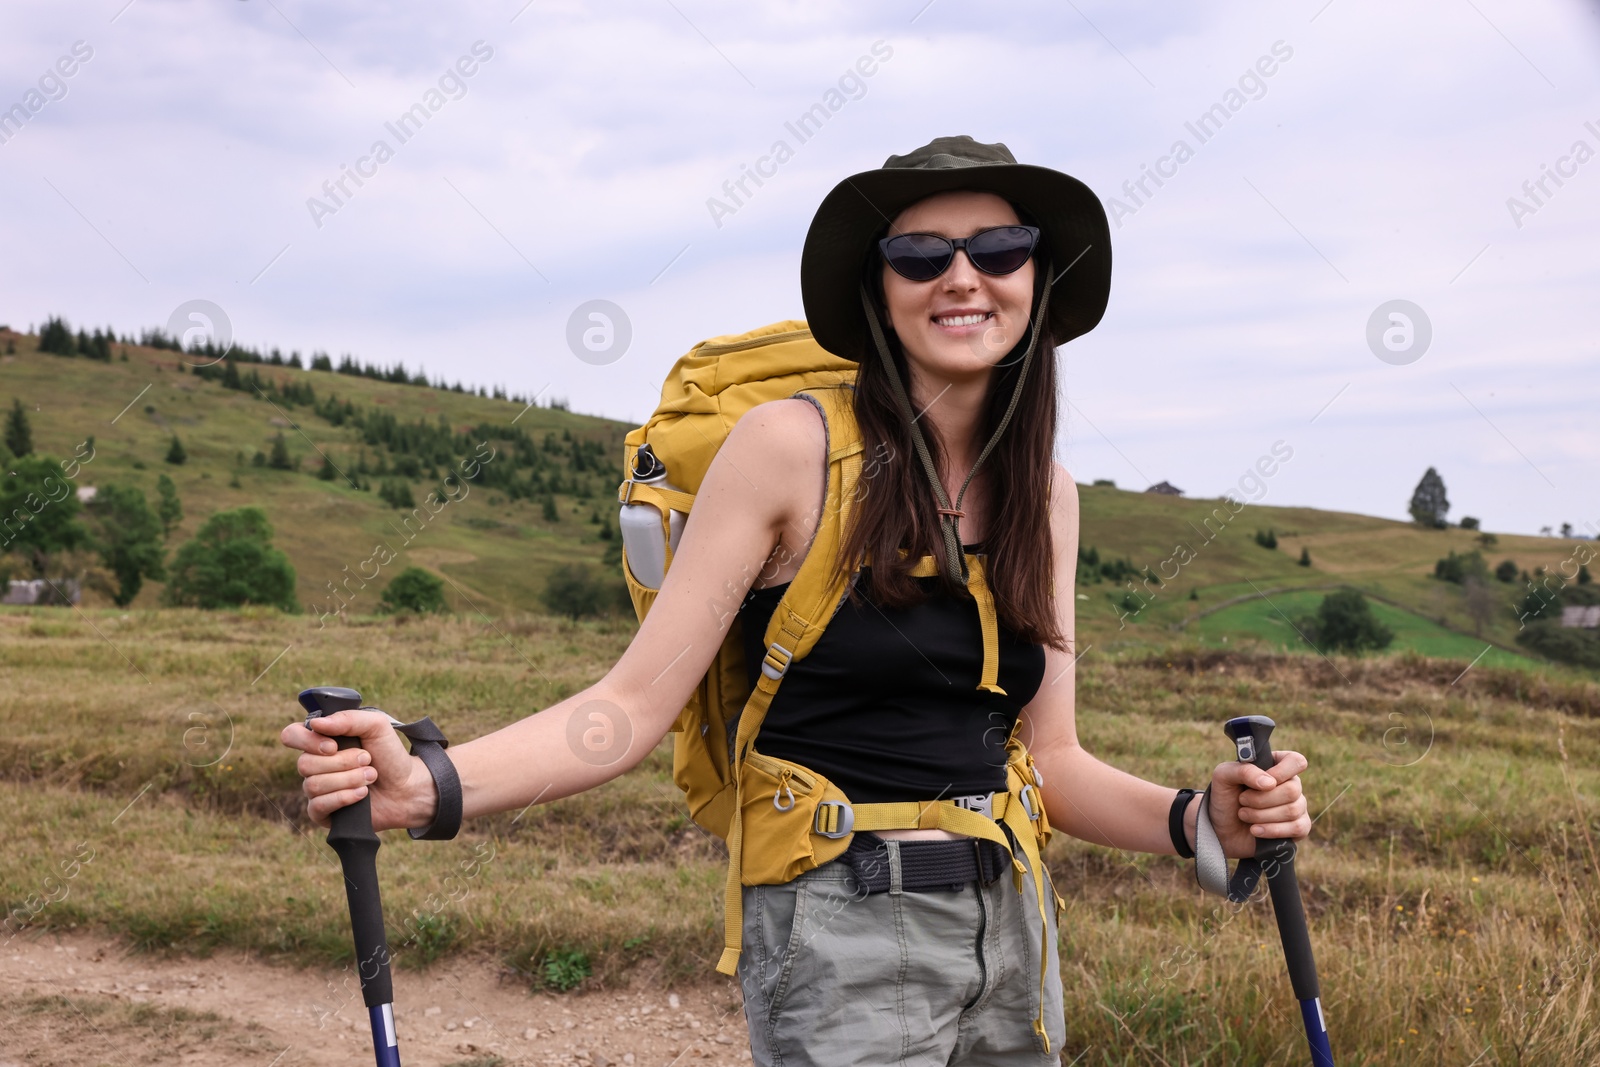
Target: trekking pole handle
(1252, 736)
(350, 834)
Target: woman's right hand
(402, 790)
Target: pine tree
(279, 459)
(1305, 556)
(177, 455)
(19, 431)
(1429, 505)
(169, 510)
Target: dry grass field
(1449, 880)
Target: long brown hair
(895, 504)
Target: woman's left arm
(1096, 802)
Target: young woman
(949, 275)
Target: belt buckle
(982, 803)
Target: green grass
(1273, 621)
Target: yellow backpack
(779, 818)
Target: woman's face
(963, 322)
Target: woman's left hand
(1248, 803)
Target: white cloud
(590, 143)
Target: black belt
(925, 865)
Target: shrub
(1468, 522)
(177, 455)
(1507, 571)
(564, 969)
(1305, 556)
(574, 590)
(130, 539)
(231, 561)
(414, 590)
(1344, 623)
(1458, 569)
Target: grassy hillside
(495, 552)
(1390, 561)
(1222, 589)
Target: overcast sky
(185, 157)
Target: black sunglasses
(922, 257)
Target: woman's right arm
(769, 471)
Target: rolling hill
(496, 548)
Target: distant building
(86, 494)
(1165, 489)
(1579, 616)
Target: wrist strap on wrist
(1211, 862)
(1175, 822)
(428, 744)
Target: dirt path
(80, 1001)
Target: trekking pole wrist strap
(1211, 863)
(1180, 804)
(428, 744)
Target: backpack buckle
(776, 661)
(1030, 802)
(982, 803)
(834, 818)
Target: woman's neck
(955, 408)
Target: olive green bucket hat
(1075, 240)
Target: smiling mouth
(963, 320)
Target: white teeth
(962, 320)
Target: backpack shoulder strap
(805, 610)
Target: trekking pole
(353, 838)
(1252, 736)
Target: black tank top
(887, 704)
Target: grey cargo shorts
(833, 976)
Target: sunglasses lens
(918, 256)
(1001, 250)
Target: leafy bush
(38, 510)
(574, 590)
(1507, 571)
(129, 537)
(1468, 522)
(231, 561)
(1344, 623)
(1458, 569)
(413, 589)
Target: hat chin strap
(955, 561)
